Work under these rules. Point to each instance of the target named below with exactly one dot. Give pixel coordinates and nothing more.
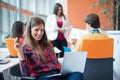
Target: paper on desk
(57, 50)
(75, 33)
(4, 60)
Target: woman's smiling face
(37, 32)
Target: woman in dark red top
(57, 27)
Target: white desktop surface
(11, 63)
(4, 52)
(4, 68)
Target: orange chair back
(10, 45)
(99, 48)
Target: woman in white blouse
(57, 28)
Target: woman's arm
(18, 48)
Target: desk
(13, 62)
(4, 68)
(4, 52)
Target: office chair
(99, 63)
(15, 71)
(10, 45)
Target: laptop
(72, 62)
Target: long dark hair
(17, 29)
(57, 5)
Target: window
(9, 13)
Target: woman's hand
(62, 30)
(18, 48)
(17, 45)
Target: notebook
(72, 62)
(4, 60)
(66, 49)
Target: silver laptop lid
(73, 62)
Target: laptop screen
(74, 62)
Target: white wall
(116, 54)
